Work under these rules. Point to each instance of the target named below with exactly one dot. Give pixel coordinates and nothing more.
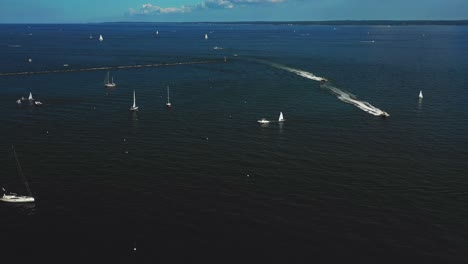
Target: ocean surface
(203, 181)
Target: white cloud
(149, 9)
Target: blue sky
(83, 11)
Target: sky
(89, 11)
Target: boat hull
(17, 199)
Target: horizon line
(312, 22)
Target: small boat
(168, 104)
(206, 36)
(281, 118)
(101, 38)
(13, 197)
(18, 101)
(263, 121)
(30, 98)
(384, 114)
(420, 95)
(108, 83)
(134, 106)
(30, 60)
(37, 102)
(90, 36)
(217, 48)
(157, 32)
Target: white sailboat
(157, 32)
(206, 36)
(30, 98)
(420, 95)
(13, 197)
(108, 83)
(101, 38)
(90, 36)
(281, 119)
(134, 106)
(168, 104)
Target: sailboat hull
(16, 199)
(134, 108)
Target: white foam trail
(304, 74)
(342, 95)
(351, 99)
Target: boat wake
(340, 94)
(351, 99)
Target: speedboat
(263, 121)
(15, 198)
(384, 114)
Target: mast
(20, 172)
(134, 104)
(168, 95)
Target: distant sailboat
(90, 36)
(206, 36)
(157, 32)
(281, 119)
(134, 106)
(13, 197)
(168, 104)
(108, 83)
(30, 98)
(420, 95)
(101, 38)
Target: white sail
(101, 38)
(281, 119)
(420, 94)
(30, 96)
(206, 36)
(134, 106)
(157, 32)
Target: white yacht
(109, 83)
(10, 197)
(420, 95)
(101, 38)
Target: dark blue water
(203, 181)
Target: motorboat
(384, 114)
(263, 121)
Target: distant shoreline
(291, 23)
(355, 22)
